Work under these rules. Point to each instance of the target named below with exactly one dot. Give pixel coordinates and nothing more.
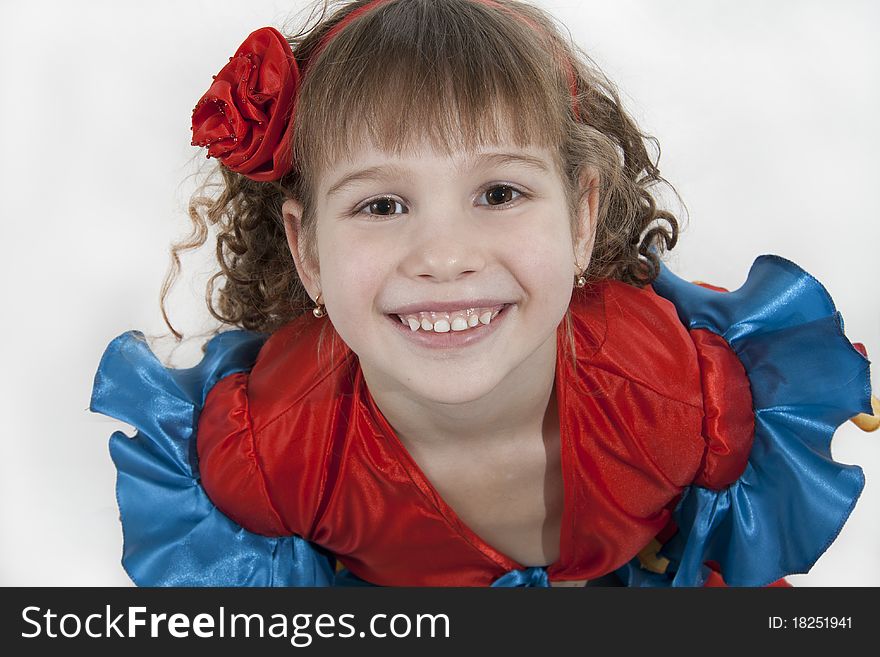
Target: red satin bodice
(297, 446)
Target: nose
(444, 251)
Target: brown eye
(384, 206)
(500, 194)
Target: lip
(452, 339)
(447, 306)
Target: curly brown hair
(415, 72)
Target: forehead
(369, 161)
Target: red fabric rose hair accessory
(243, 118)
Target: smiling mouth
(459, 328)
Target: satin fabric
(173, 535)
(806, 378)
(243, 118)
(290, 451)
(533, 577)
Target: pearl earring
(319, 310)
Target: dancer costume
(692, 414)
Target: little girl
(461, 360)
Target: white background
(766, 113)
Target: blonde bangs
(411, 74)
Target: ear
(291, 212)
(588, 217)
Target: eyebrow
(394, 171)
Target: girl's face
(444, 274)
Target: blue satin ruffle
(806, 379)
(173, 535)
(532, 577)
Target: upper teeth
(443, 322)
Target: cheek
(543, 261)
(352, 271)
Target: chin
(452, 390)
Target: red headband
(246, 116)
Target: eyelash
(368, 203)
